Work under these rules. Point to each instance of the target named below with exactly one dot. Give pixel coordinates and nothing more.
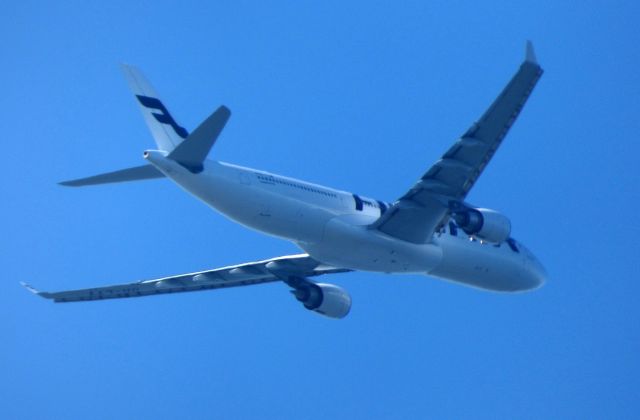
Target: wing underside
(246, 274)
(418, 213)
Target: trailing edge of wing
(130, 174)
(416, 215)
(246, 274)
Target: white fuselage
(332, 227)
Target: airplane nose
(537, 273)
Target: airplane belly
(232, 193)
(483, 266)
(291, 219)
(356, 247)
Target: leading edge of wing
(418, 213)
(246, 274)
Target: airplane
(430, 230)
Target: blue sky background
(361, 96)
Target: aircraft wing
(280, 268)
(418, 213)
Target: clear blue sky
(361, 96)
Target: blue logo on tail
(163, 117)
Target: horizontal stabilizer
(195, 148)
(130, 174)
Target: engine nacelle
(486, 224)
(326, 299)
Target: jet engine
(326, 299)
(486, 224)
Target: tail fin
(189, 150)
(166, 131)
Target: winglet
(29, 288)
(530, 54)
(34, 290)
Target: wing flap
(408, 221)
(451, 177)
(258, 272)
(463, 163)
